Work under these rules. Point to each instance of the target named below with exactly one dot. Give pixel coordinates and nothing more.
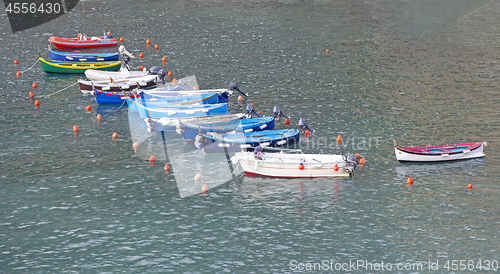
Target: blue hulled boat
(213, 142)
(83, 57)
(190, 130)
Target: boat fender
(266, 144)
(180, 131)
(248, 130)
(280, 143)
(301, 166)
(256, 165)
(263, 126)
(245, 146)
(445, 155)
(466, 151)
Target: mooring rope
(46, 96)
(37, 59)
(124, 101)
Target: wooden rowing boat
(76, 67)
(440, 153)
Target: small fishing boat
(117, 86)
(174, 111)
(76, 67)
(83, 41)
(190, 130)
(123, 74)
(83, 57)
(171, 125)
(103, 97)
(440, 153)
(293, 163)
(215, 142)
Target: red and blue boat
(451, 152)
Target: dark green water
(421, 72)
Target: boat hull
(289, 165)
(169, 125)
(216, 143)
(115, 86)
(190, 131)
(98, 75)
(83, 57)
(442, 153)
(76, 67)
(175, 111)
(91, 42)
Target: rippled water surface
(421, 72)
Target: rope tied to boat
(37, 60)
(46, 96)
(124, 101)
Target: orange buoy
(339, 138)
(164, 59)
(141, 55)
(195, 88)
(115, 135)
(135, 145)
(409, 181)
(121, 39)
(75, 128)
(18, 73)
(142, 68)
(287, 121)
(174, 81)
(197, 177)
(240, 98)
(167, 167)
(307, 132)
(16, 62)
(301, 166)
(169, 73)
(204, 188)
(336, 168)
(252, 104)
(327, 51)
(109, 32)
(152, 158)
(156, 46)
(362, 161)
(357, 155)
(37, 103)
(34, 85)
(99, 116)
(148, 42)
(260, 112)
(31, 94)
(88, 108)
(469, 186)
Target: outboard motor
(154, 70)
(278, 113)
(351, 163)
(303, 126)
(123, 51)
(125, 60)
(199, 141)
(162, 74)
(257, 152)
(251, 111)
(233, 86)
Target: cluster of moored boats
(202, 115)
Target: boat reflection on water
(465, 167)
(185, 159)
